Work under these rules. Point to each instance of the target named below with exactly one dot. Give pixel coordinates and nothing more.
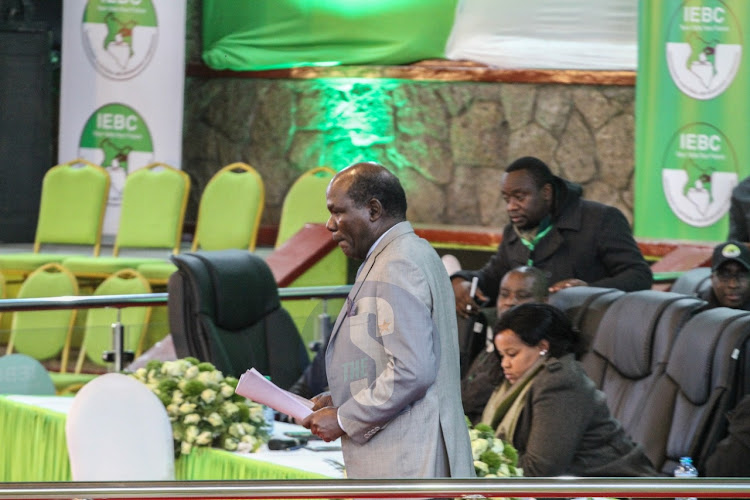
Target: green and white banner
(692, 101)
(122, 81)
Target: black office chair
(224, 308)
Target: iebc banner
(122, 81)
(691, 106)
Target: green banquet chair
(229, 215)
(71, 211)
(46, 335)
(305, 202)
(97, 336)
(153, 209)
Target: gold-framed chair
(229, 214)
(71, 212)
(153, 210)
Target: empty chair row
(47, 335)
(154, 199)
(75, 196)
(670, 369)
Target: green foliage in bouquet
(203, 407)
(493, 457)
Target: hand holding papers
(255, 386)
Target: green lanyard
(532, 244)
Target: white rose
(191, 372)
(176, 368)
(498, 446)
(236, 430)
(247, 444)
(248, 428)
(481, 468)
(473, 434)
(216, 377)
(215, 419)
(177, 397)
(186, 408)
(191, 433)
(256, 414)
(478, 446)
(230, 444)
(229, 408)
(227, 391)
(208, 395)
(204, 438)
(141, 373)
(192, 418)
(204, 378)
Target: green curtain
(214, 464)
(268, 34)
(32, 444)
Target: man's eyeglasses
(727, 276)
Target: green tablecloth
(33, 448)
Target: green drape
(213, 464)
(268, 34)
(32, 444)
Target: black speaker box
(26, 125)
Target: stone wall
(447, 141)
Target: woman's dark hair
(534, 322)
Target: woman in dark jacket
(547, 406)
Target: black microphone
(284, 444)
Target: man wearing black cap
(730, 277)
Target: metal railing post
(118, 340)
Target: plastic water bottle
(686, 469)
(269, 415)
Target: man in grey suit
(392, 357)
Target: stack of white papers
(255, 386)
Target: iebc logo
(119, 36)
(117, 138)
(698, 175)
(704, 48)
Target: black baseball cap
(730, 251)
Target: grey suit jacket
(393, 370)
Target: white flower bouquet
(202, 406)
(493, 457)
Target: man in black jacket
(575, 241)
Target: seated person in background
(730, 277)
(548, 408)
(729, 459)
(739, 212)
(313, 380)
(575, 241)
(519, 286)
